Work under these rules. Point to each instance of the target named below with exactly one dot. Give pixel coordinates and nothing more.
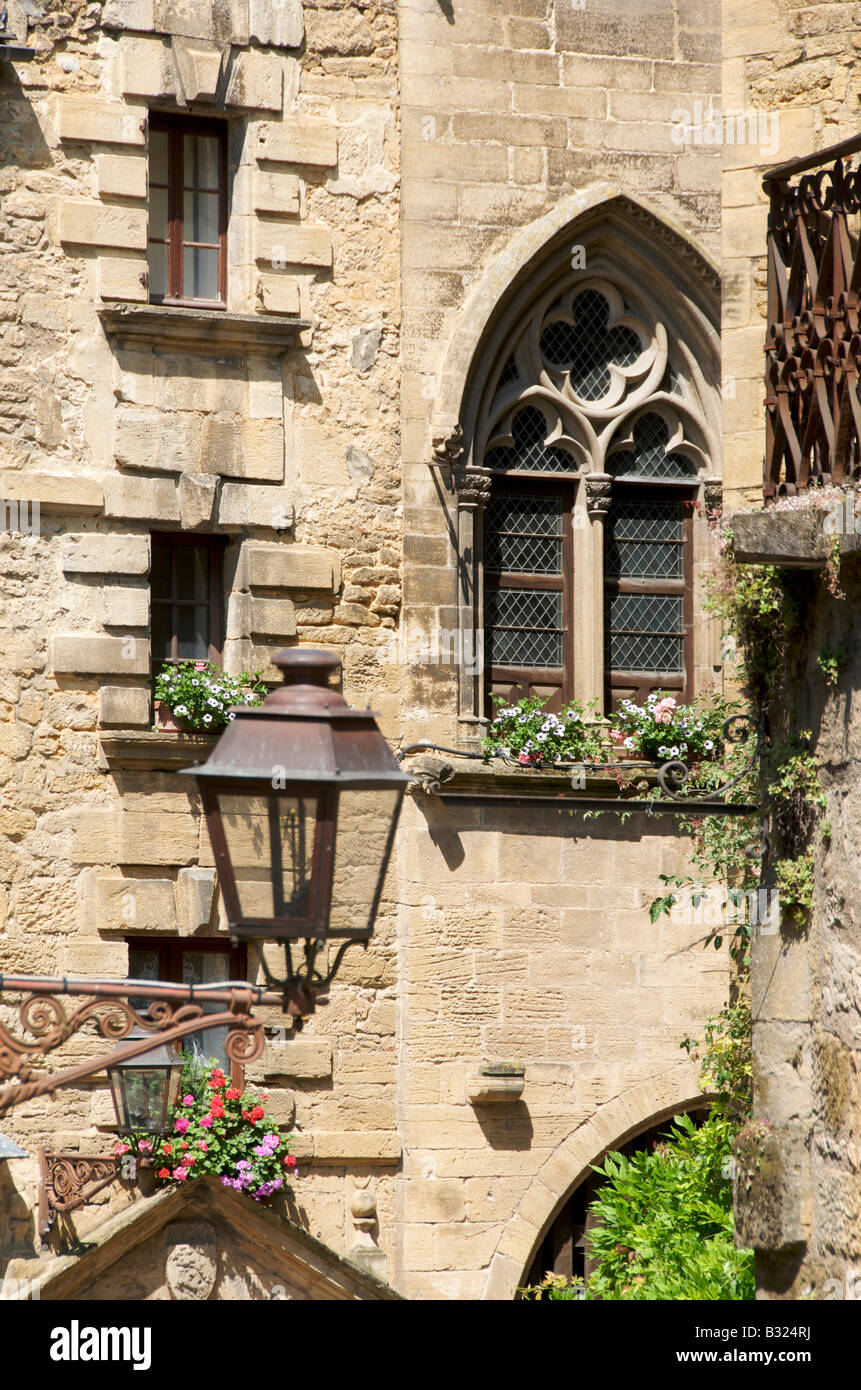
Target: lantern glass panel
(270, 841)
(144, 1094)
(361, 855)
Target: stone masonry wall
(524, 938)
(793, 69)
(293, 458)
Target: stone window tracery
(585, 448)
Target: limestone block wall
(525, 941)
(799, 1201)
(512, 113)
(282, 439)
(791, 70)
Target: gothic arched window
(594, 429)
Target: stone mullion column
(473, 493)
(599, 488)
(712, 500)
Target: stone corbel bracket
(494, 1085)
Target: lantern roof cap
(304, 731)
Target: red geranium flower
(164, 1172)
(233, 1094)
(167, 1148)
(257, 1113)
(184, 1144)
(289, 1161)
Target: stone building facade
(798, 65)
(415, 191)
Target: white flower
(212, 703)
(195, 682)
(651, 698)
(662, 752)
(207, 719)
(674, 752)
(541, 738)
(629, 743)
(708, 744)
(181, 709)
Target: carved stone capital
(472, 486)
(713, 494)
(599, 492)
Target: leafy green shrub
(664, 1221)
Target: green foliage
(832, 664)
(215, 1128)
(726, 1060)
(832, 568)
(532, 736)
(664, 1221)
(798, 805)
(555, 1288)
(661, 730)
(664, 730)
(200, 696)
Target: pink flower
(202, 1144)
(206, 1122)
(180, 1174)
(182, 1124)
(663, 716)
(289, 1161)
(200, 666)
(523, 758)
(123, 1148)
(188, 1100)
(145, 1146)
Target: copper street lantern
(302, 797)
(144, 1089)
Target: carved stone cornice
(599, 493)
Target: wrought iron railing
(813, 349)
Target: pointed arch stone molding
(620, 1119)
(667, 239)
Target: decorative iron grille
(813, 346)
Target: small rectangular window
(196, 961)
(186, 597)
(187, 212)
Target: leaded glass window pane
(529, 429)
(644, 540)
(524, 627)
(649, 458)
(644, 632)
(587, 347)
(524, 535)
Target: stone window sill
(161, 751)
(201, 330)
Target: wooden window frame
(522, 679)
(638, 685)
(176, 127)
(215, 546)
(170, 951)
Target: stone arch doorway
(563, 1246)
